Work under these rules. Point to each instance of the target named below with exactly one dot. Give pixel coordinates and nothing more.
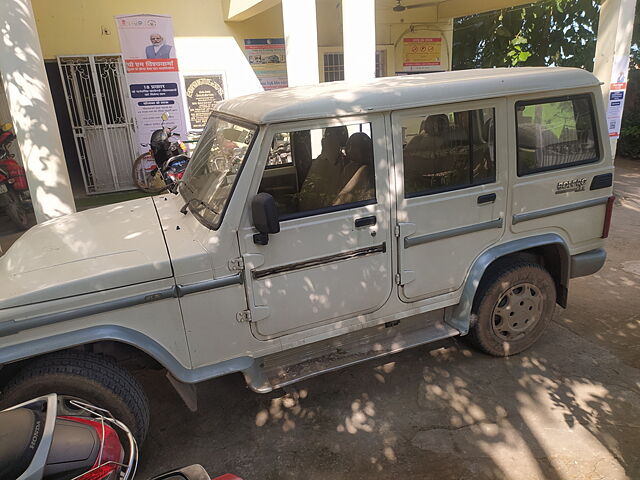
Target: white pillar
(36, 128)
(615, 29)
(359, 38)
(301, 41)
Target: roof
(335, 99)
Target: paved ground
(567, 409)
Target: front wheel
(88, 377)
(16, 212)
(512, 308)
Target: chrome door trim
(454, 232)
(546, 212)
(291, 267)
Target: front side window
(555, 133)
(448, 151)
(210, 177)
(320, 170)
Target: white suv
(318, 227)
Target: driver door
(331, 259)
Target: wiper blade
(185, 207)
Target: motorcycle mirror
(165, 116)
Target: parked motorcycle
(164, 164)
(14, 190)
(36, 443)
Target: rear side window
(555, 133)
(448, 151)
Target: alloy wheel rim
(517, 311)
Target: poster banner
(268, 59)
(617, 90)
(422, 54)
(202, 92)
(147, 46)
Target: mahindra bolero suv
(317, 227)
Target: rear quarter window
(555, 133)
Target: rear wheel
(513, 306)
(88, 377)
(146, 175)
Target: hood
(98, 249)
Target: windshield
(211, 173)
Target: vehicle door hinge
(397, 279)
(236, 264)
(243, 316)
(396, 231)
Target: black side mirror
(265, 217)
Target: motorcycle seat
(20, 434)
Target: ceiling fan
(399, 7)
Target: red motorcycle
(14, 190)
(57, 438)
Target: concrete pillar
(615, 29)
(301, 41)
(359, 37)
(31, 106)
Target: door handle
(366, 221)
(488, 198)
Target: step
(290, 366)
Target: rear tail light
(227, 476)
(107, 471)
(607, 216)
(107, 466)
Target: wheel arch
(122, 338)
(550, 250)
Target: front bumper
(587, 263)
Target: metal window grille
(334, 65)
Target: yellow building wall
(206, 43)
(73, 27)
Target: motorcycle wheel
(16, 212)
(143, 178)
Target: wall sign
(423, 54)
(268, 59)
(147, 47)
(617, 90)
(203, 92)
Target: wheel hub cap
(517, 311)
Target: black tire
(512, 307)
(94, 378)
(17, 213)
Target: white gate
(103, 129)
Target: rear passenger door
(451, 185)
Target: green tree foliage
(549, 32)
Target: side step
(293, 365)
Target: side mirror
(165, 116)
(265, 217)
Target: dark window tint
(320, 170)
(555, 133)
(448, 151)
